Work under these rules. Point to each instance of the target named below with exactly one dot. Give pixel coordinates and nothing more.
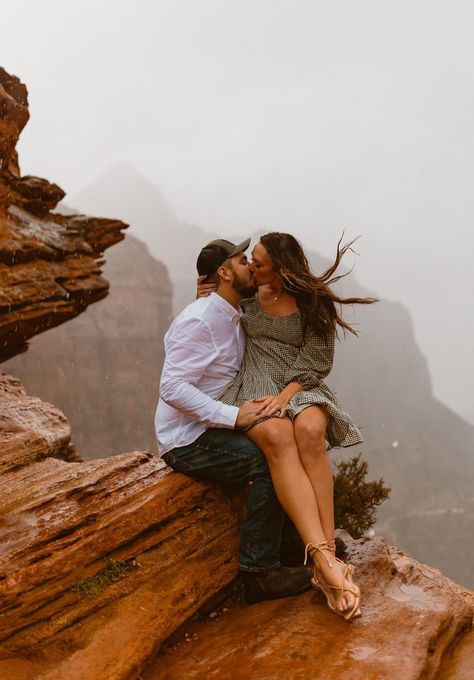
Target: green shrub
(355, 500)
(114, 571)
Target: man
(200, 436)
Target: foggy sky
(306, 116)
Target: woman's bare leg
(310, 431)
(293, 487)
(275, 437)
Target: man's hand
(204, 289)
(248, 414)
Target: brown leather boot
(271, 585)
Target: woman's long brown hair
(314, 297)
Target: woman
(291, 325)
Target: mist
(306, 117)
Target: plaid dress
(278, 352)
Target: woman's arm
(290, 390)
(204, 289)
(313, 363)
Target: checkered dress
(278, 352)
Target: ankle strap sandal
(318, 581)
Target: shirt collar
(231, 312)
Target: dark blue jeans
(230, 458)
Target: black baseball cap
(215, 253)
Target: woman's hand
(277, 405)
(273, 406)
(204, 289)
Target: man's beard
(243, 287)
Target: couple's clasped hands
(253, 410)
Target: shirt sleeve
(313, 362)
(190, 349)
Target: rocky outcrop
(30, 429)
(103, 368)
(459, 665)
(411, 616)
(101, 561)
(49, 267)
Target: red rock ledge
(49, 268)
(100, 562)
(171, 543)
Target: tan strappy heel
(320, 582)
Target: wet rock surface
(460, 664)
(102, 561)
(99, 561)
(411, 616)
(49, 269)
(30, 429)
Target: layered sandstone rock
(30, 429)
(49, 269)
(100, 562)
(102, 369)
(411, 615)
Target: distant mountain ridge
(141, 203)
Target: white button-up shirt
(204, 348)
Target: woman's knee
(310, 429)
(274, 436)
(312, 435)
(274, 433)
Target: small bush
(114, 570)
(355, 500)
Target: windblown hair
(314, 297)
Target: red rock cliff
(104, 367)
(49, 267)
(100, 562)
